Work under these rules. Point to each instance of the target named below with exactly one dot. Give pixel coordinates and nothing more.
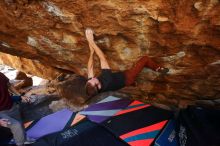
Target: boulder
(182, 35)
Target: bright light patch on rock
(51, 8)
(174, 71)
(127, 52)
(178, 56)
(51, 44)
(198, 6)
(32, 41)
(215, 63)
(65, 16)
(5, 45)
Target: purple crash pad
(104, 109)
(52, 123)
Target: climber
(9, 111)
(108, 81)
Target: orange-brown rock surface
(183, 35)
(29, 66)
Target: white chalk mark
(65, 16)
(32, 41)
(5, 45)
(178, 56)
(215, 63)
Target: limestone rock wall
(29, 66)
(183, 35)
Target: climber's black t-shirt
(111, 81)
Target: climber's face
(95, 83)
(92, 87)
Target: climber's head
(93, 85)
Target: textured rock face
(183, 35)
(28, 66)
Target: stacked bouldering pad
(112, 121)
(52, 123)
(138, 124)
(106, 108)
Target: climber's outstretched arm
(98, 51)
(90, 63)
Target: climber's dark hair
(91, 90)
(73, 89)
